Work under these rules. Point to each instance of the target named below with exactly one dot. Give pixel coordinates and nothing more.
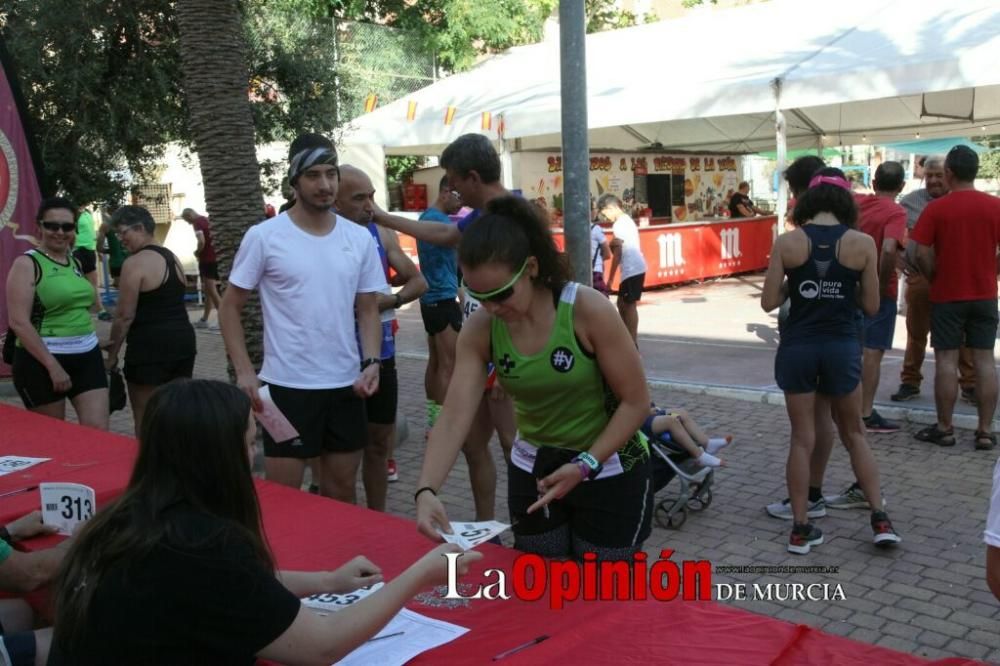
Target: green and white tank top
(61, 308)
(560, 396)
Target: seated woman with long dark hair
(177, 571)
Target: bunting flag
(370, 103)
(487, 122)
(411, 111)
(20, 193)
(449, 115)
(501, 127)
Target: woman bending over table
(830, 267)
(151, 315)
(49, 303)
(177, 571)
(579, 474)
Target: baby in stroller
(686, 456)
(679, 432)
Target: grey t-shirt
(914, 203)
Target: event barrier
(689, 251)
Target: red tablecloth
(307, 532)
(92, 457)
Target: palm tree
(216, 83)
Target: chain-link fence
(375, 60)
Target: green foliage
(694, 3)
(103, 83)
(605, 15)
(399, 168)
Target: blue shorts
(831, 368)
(879, 329)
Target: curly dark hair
(510, 231)
(827, 198)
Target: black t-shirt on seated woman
(212, 603)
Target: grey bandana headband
(307, 158)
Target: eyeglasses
(500, 294)
(65, 227)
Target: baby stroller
(695, 483)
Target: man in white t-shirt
(314, 270)
(992, 536)
(625, 251)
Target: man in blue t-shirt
(439, 307)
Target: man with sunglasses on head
(315, 272)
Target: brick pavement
(928, 597)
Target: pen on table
(378, 638)
(524, 646)
(19, 491)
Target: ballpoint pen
(523, 646)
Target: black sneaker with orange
(804, 536)
(883, 535)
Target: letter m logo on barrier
(730, 245)
(671, 252)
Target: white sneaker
(783, 509)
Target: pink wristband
(584, 470)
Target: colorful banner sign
(19, 190)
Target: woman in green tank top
(48, 303)
(579, 475)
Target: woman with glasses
(579, 475)
(151, 314)
(48, 302)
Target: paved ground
(927, 597)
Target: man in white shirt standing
(314, 270)
(625, 251)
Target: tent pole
(575, 147)
(782, 150)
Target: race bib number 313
(66, 505)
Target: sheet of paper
(66, 505)
(470, 535)
(335, 602)
(11, 464)
(414, 634)
(274, 422)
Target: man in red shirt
(208, 267)
(884, 220)
(958, 235)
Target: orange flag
(449, 115)
(487, 122)
(370, 103)
(411, 111)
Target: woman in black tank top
(830, 270)
(151, 316)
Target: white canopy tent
(842, 73)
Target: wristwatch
(592, 464)
(370, 361)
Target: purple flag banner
(19, 191)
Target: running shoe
(883, 535)
(804, 537)
(783, 509)
(201, 323)
(905, 392)
(392, 472)
(852, 498)
(876, 423)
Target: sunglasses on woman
(65, 227)
(500, 294)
